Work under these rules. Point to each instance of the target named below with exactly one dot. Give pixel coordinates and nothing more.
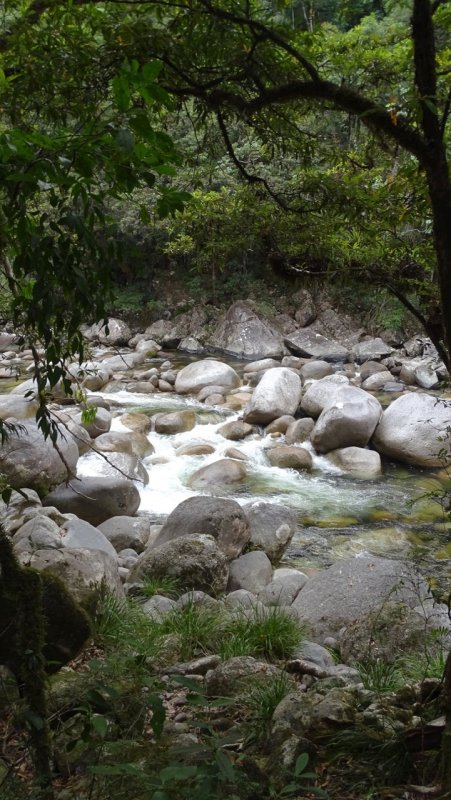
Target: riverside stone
(175, 422)
(95, 499)
(278, 393)
(415, 429)
(218, 517)
(357, 461)
(31, 461)
(194, 560)
(242, 333)
(322, 393)
(350, 421)
(289, 457)
(314, 345)
(127, 532)
(252, 571)
(208, 372)
(223, 471)
(272, 527)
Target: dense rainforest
(161, 153)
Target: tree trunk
(439, 185)
(446, 738)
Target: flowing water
(338, 516)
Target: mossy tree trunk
(24, 587)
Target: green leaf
(177, 772)
(121, 92)
(158, 714)
(100, 725)
(151, 70)
(301, 763)
(225, 765)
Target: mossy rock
(67, 625)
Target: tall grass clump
(266, 632)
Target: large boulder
(120, 442)
(289, 457)
(95, 499)
(85, 573)
(217, 474)
(18, 407)
(208, 372)
(99, 424)
(92, 375)
(278, 393)
(127, 532)
(123, 465)
(349, 422)
(195, 561)
(124, 362)
(115, 332)
(350, 589)
(313, 345)
(77, 534)
(322, 393)
(218, 517)
(242, 333)
(416, 429)
(175, 422)
(66, 626)
(29, 460)
(370, 350)
(272, 527)
(357, 461)
(252, 572)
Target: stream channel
(339, 516)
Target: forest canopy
(328, 121)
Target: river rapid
(339, 516)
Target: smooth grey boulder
(316, 654)
(77, 534)
(12, 405)
(426, 376)
(194, 560)
(242, 333)
(289, 457)
(322, 393)
(124, 532)
(371, 350)
(33, 462)
(278, 393)
(371, 368)
(261, 365)
(357, 461)
(197, 598)
(120, 442)
(280, 424)
(95, 499)
(349, 422)
(314, 345)
(217, 474)
(158, 607)
(240, 598)
(100, 424)
(115, 332)
(377, 381)
(315, 370)
(85, 573)
(147, 346)
(218, 517)
(284, 587)
(208, 372)
(299, 430)
(415, 429)
(124, 362)
(175, 422)
(236, 430)
(272, 527)
(37, 533)
(253, 572)
(346, 591)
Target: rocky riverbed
(256, 481)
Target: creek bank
(226, 554)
